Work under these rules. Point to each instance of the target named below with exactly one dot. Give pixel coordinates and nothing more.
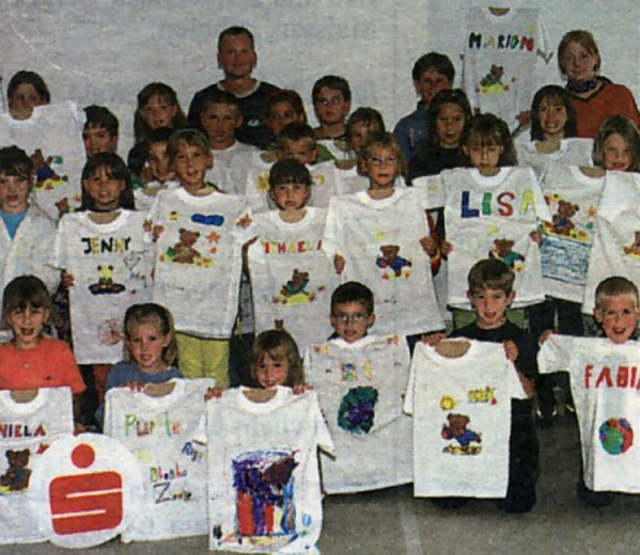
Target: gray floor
(392, 522)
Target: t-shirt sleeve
(554, 354)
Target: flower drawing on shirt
(616, 435)
(264, 485)
(456, 429)
(392, 264)
(357, 410)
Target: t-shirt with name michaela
(292, 278)
(461, 410)
(361, 387)
(605, 385)
(159, 431)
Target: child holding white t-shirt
(198, 235)
(604, 391)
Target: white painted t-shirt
(159, 431)
(111, 265)
(380, 242)
(462, 420)
(231, 167)
(198, 259)
(292, 278)
(605, 385)
(572, 198)
(56, 131)
(616, 248)
(361, 387)
(263, 479)
(490, 217)
(501, 58)
(571, 152)
(26, 430)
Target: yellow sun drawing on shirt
(447, 402)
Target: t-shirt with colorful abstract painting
(461, 408)
(361, 387)
(264, 483)
(572, 198)
(198, 260)
(604, 383)
(159, 431)
(501, 56)
(292, 278)
(26, 431)
(616, 248)
(111, 265)
(490, 217)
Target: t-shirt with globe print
(604, 383)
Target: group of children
(160, 256)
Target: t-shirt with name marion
(572, 198)
(292, 278)
(461, 409)
(264, 483)
(26, 430)
(159, 431)
(361, 386)
(198, 241)
(616, 247)
(111, 267)
(379, 240)
(605, 384)
(490, 217)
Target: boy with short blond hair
(605, 387)
(361, 380)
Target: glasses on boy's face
(327, 101)
(355, 318)
(379, 161)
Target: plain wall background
(105, 51)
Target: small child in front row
(31, 360)
(491, 292)
(605, 386)
(198, 233)
(149, 353)
(361, 380)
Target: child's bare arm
(527, 384)
(546, 334)
(301, 388)
(338, 263)
(432, 339)
(67, 279)
(511, 350)
(214, 393)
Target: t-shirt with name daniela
(263, 480)
(605, 384)
(159, 431)
(461, 408)
(361, 387)
(26, 430)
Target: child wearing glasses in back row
(361, 380)
(376, 237)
